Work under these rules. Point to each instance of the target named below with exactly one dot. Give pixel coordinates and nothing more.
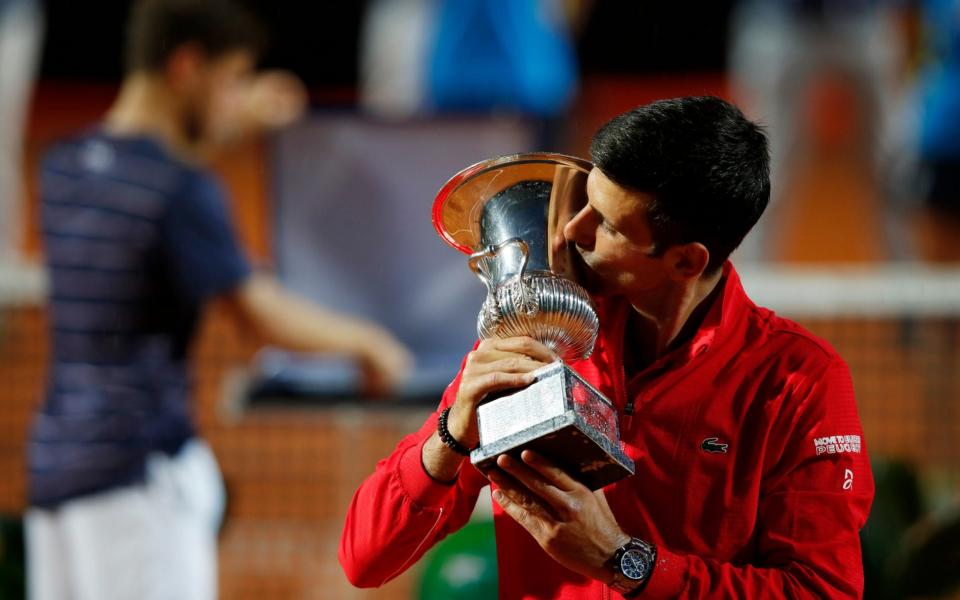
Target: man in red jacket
(752, 480)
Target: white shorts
(152, 541)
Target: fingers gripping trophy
(507, 214)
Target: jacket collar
(719, 324)
(723, 317)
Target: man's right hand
(284, 319)
(496, 365)
(384, 361)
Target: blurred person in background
(786, 53)
(125, 499)
(470, 56)
(21, 28)
(937, 114)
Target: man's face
(214, 96)
(612, 235)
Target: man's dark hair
(706, 166)
(156, 28)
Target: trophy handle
(524, 299)
(480, 268)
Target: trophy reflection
(508, 214)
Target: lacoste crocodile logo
(714, 446)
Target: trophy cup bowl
(507, 214)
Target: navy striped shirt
(135, 241)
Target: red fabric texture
(776, 515)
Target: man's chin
(588, 278)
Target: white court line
(887, 290)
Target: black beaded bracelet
(446, 437)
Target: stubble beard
(193, 127)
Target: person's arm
(813, 503)
(493, 365)
(282, 318)
(206, 263)
(399, 512)
(424, 490)
(271, 100)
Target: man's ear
(184, 65)
(686, 261)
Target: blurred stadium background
(839, 255)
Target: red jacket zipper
(620, 384)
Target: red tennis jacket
(751, 472)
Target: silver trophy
(508, 214)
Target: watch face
(633, 564)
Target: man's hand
(384, 361)
(496, 364)
(267, 101)
(572, 524)
(274, 99)
(284, 319)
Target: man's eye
(606, 227)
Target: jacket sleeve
(399, 512)
(815, 497)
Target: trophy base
(561, 417)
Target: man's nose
(578, 229)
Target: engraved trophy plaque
(508, 214)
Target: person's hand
(274, 99)
(496, 364)
(572, 524)
(385, 362)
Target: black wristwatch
(632, 566)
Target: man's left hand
(274, 99)
(572, 524)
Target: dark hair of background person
(156, 28)
(706, 166)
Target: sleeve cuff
(419, 486)
(669, 577)
(226, 282)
